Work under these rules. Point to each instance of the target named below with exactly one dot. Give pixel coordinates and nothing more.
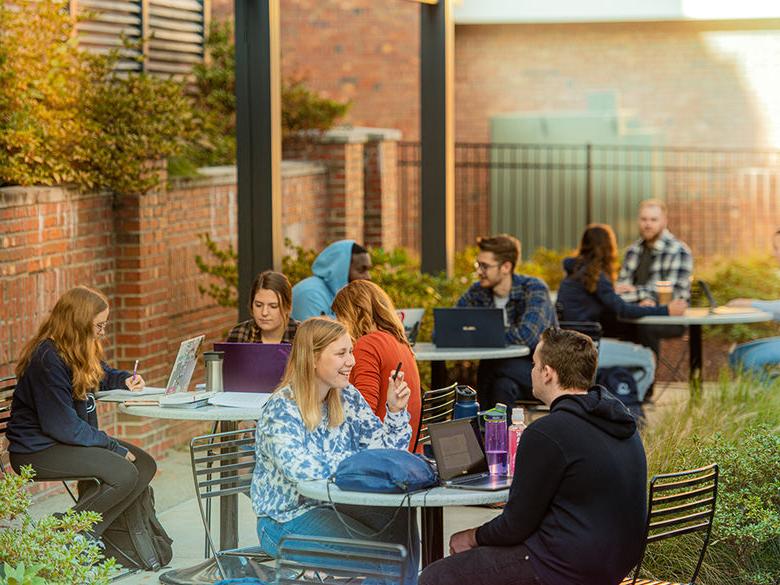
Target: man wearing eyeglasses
(528, 312)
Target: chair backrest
(334, 561)
(681, 503)
(7, 387)
(590, 328)
(222, 465)
(437, 406)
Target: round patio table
(695, 318)
(428, 352)
(431, 503)
(227, 418)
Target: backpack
(621, 384)
(136, 539)
(392, 471)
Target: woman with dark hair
(270, 305)
(588, 294)
(53, 424)
(380, 345)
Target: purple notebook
(252, 367)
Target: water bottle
(213, 370)
(496, 439)
(466, 404)
(515, 430)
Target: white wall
(516, 11)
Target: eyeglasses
(483, 266)
(100, 328)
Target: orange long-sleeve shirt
(376, 356)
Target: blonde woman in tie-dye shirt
(314, 420)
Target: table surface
(428, 352)
(438, 496)
(703, 316)
(210, 412)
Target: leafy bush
(67, 117)
(52, 548)
(736, 426)
(754, 277)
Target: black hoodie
(578, 498)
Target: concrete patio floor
(178, 510)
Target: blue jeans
(757, 357)
(637, 358)
(356, 522)
(504, 380)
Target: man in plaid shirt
(528, 312)
(657, 255)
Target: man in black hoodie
(577, 506)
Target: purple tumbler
(496, 439)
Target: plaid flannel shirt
(529, 309)
(248, 332)
(671, 260)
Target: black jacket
(578, 497)
(44, 413)
(601, 305)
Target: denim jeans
(757, 357)
(503, 380)
(351, 522)
(484, 565)
(638, 359)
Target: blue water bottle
(466, 404)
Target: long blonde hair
(363, 306)
(70, 328)
(312, 337)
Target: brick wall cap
(222, 175)
(294, 168)
(18, 195)
(358, 134)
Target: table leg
(432, 534)
(695, 351)
(228, 507)
(438, 374)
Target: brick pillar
(381, 190)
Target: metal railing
(721, 202)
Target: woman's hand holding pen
(135, 382)
(398, 392)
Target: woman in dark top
(53, 424)
(588, 294)
(270, 306)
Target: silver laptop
(460, 458)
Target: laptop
(460, 457)
(253, 367)
(178, 380)
(469, 327)
(714, 309)
(411, 319)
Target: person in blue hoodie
(588, 294)
(336, 266)
(53, 423)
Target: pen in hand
(397, 370)
(135, 371)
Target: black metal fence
(721, 202)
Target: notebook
(469, 327)
(178, 380)
(253, 367)
(460, 458)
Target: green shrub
(754, 277)
(736, 426)
(67, 117)
(52, 548)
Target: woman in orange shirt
(380, 345)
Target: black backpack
(136, 539)
(621, 384)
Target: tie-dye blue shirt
(287, 452)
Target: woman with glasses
(53, 424)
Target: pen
(397, 370)
(135, 370)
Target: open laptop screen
(456, 448)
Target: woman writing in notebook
(53, 423)
(313, 421)
(270, 305)
(380, 345)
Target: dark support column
(695, 349)
(437, 36)
(432, 534)
(259, 146)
